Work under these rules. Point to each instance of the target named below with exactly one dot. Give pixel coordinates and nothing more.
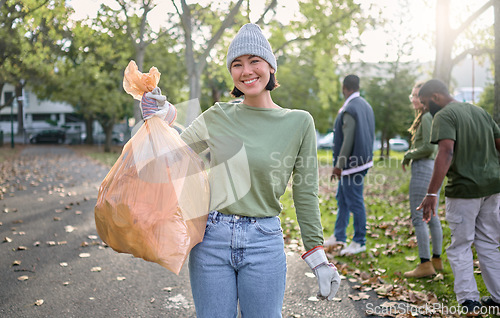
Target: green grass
(107, 158)
(390, 234)
(97, 153)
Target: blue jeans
(240, 259)
(350, 199)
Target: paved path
(47, 222)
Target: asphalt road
(47, 224)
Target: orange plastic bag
(136, 83)
(154, 201)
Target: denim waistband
(217, 216)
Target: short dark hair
(351, 82)
(433, 86)
(272, 84)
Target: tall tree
(139, 31)
(196, 60)
(389, 99)
(496, 59)
(446, 37)
(31, 37)
(91, 74)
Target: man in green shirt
(468, 143)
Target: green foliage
(487, 100)
(162, 53)
(31, 37)
(389, 99)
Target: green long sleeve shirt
(421, 147)
(253, 153)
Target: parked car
(325, 142)
(49, 136)
(117, 138)
(396, 143)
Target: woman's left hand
(326, 273)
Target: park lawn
(391, 242)
(96, 152)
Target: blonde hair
(418, 116)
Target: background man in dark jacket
(354, 133)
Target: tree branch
(146, 7)
(228, 21)
(272, 5)
(123, 5)
(471, 51)
(185, 17)
(472, 17)
(302, 39)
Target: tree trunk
(89, 131)
(193, 109)
(216, 94)
(108, 130)
(444, 42)
(496, 106)
(20, 111)
(139, 60)
(382, 146)
(446, 36)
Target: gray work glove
(326, 273)
(154, 103)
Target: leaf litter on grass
(390, 226)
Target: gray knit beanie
(251, 41)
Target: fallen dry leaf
(364, 296)
(69, 228)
